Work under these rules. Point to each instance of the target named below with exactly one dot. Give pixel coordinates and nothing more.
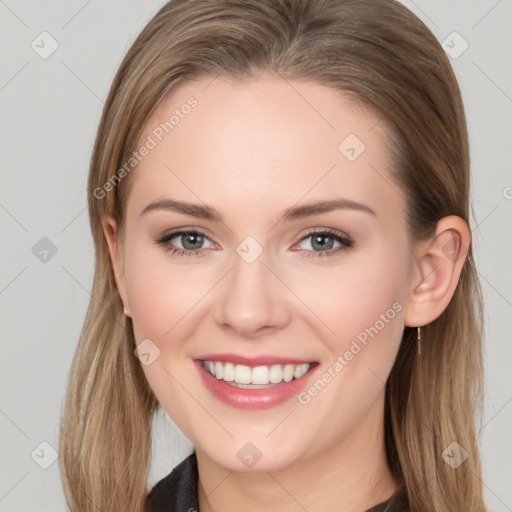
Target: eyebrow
(292, 213)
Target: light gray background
(50, 111)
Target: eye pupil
(195, 239)
(322, 242)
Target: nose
(252, 300)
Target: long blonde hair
(379, 54)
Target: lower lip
(256, 399)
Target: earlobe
(110, 231)
(437, 272)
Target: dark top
(177, 492)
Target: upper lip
(252, 361)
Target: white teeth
(229, 372)
(260, 375)
(219, 370)
(288, 372)
(276, 373)
(257, 375)
(242, 374)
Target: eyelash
(346, 243)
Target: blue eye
(323, 243)
(189, 242)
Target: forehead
(236, 143)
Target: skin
(251, 150)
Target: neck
(351, 476)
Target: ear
(110, 230)
(437, 271)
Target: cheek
(365, 311)
(363, 306)
(159, 293)
(160, 296)
(354, 299)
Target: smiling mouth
(255, 377)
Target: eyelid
(169, 235)
(321, 230)
(345, 241)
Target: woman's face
(297, 259)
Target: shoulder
(176, 492)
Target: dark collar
(177, 492)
